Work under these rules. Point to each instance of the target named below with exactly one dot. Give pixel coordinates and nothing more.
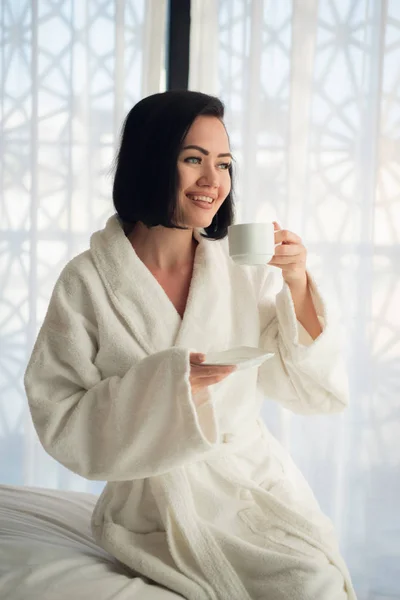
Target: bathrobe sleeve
(306, 376)
(119, 428)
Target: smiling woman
(172, 144)
(200, 498)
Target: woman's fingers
(212, 371)
(197, 357)
(201, 376)
(288, 250)
(289, 254)
(199, 383)
(287, 260)
(287, 237)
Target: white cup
(251, 243)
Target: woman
(200, 497)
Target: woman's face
(203, 171)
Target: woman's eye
(224, 165)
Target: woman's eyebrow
(206, 152)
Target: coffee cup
(251, 243)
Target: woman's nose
(210, 177)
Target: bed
(47, 551)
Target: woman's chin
(194, 215)
(198, 221)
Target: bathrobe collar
(143, 304)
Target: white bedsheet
(47, 551)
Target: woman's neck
(162, 248)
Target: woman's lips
(202, 203)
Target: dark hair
(146, 176)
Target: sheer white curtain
(70, 71)
(312, 94)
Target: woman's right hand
(203, 376)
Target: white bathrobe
(204, 500)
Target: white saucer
(244, 357)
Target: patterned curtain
(70, 71)
(312, 94)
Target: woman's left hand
(290, 256)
